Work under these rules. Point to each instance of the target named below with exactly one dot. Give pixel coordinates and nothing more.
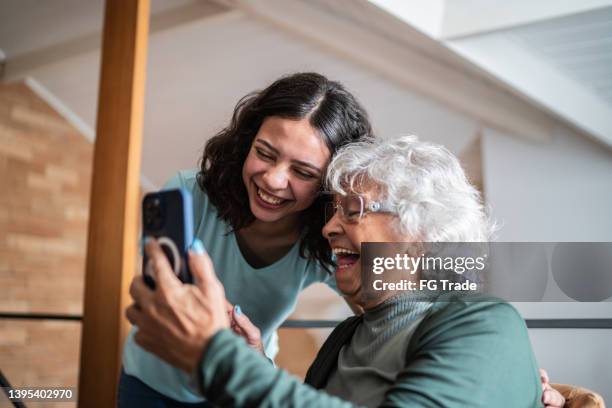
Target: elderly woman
(405, 350)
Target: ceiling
(31, 25)
(579, 45)
(557, 54)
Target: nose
(276, 177)
(333, 228)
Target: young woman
(259, 215)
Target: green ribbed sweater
(462, 354)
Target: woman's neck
(372, 304)
(283, 228)
(382, 296)
(263, 243)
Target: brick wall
(45, 171)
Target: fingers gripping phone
(168, 217)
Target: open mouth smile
(268, 200)
(345, 258)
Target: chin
(347, 288)
(263, 215)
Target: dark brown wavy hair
(332, 111)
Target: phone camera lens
(153, 219)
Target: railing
(313, 324)
(327, 324)
(4, 382)
(531, 323)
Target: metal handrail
(40, 316)
(327, 324)
(531, 324)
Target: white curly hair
(423, 183)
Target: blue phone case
(168, 216)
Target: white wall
(557, 191)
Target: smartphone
(167, 216)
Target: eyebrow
(300, 162)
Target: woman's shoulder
(188, 180)
(473, 312)
(315, 271)
(470, 304)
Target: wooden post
(113, 216)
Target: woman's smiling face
(284, 168)
(345, 239)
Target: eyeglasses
(352, 207)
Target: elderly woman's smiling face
(346, 236)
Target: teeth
(342, 251)
(344, 266)
(268, 198)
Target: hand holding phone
(168, 217)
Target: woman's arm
(233, 374)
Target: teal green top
(462, 354)
(266, 295)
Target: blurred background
(520, 91)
